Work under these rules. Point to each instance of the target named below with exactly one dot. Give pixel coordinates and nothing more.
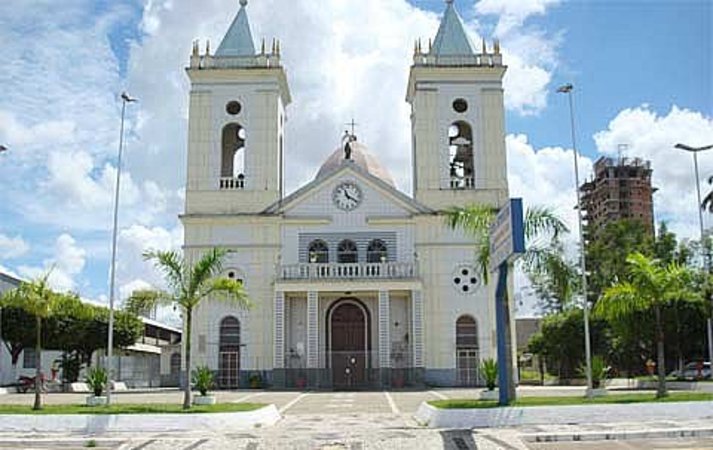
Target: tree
(39, 300)
(608, 250)
(76, 328)
(650, 286)
(559, 341)
(188, 285)
(541, 225)
(554, 278)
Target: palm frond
(619, 300)
(209, 265)
(472, 219)
(172, 264)
(541, 220)
(143, 300)
(228, 290)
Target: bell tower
(457, 119)
(236, 124)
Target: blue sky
(642, 71)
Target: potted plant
(97, 379)
(489, 369)
(203, 381)
(599, 375)
(255, 380)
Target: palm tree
(649, 285)
(37, 299)
(188, 285)
(541, 224)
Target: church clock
(347, 196)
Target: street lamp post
(125, 98)
(567, 89)
(706, 261)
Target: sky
(642, 71)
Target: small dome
(361, 157)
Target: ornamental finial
(243, 3)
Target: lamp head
(127, 98)
(565, 88)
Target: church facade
(354, 283)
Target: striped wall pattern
(417, 324)
(312, 329)
(384, 330)
(279, 328)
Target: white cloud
(132, 270)
(651, 136)
(67, 262)
(513, 12)
(12, 247)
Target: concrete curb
(619, 435)
(432, 417)
(137, 423)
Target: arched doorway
(229, 352)
(348, 343)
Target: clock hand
(349, 196)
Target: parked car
(693, 371)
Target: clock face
(347, 196)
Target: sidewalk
(602, 431)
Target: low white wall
(574, 414)
(127, 423)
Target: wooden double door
(349, 334)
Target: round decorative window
(233, 108)
(465, 279)
(460, 105)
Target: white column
(384, 330)
(312, 329)
(417, 327)
(279, 330)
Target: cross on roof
(353, 125)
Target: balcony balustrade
(348, 271)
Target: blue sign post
(507, 242)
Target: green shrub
(203, 379)
(97, 379)
(489, 368)
(599, 371)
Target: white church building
(355, 284)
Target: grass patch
(562, 401)
(159, 408)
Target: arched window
(233, 151)
(318, 252)
(466, 332)
(347, 252)
(229, 339)
(175, 363)
(467, 354)
(460, 155)
(376, 252)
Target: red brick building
(621, 189)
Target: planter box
(204, 400)
(93, 400)
(598, 392)
(489, 395)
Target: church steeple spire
(451, 40)
(238, 41)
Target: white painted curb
(545, 415)
(98, 423)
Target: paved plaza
(343, 421)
